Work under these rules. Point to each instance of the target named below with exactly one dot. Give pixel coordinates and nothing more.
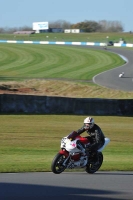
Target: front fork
(66, 154)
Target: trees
(111, 26)
(60, 24)
(85, 26)
(101, 26)
(14, 29)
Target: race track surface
(110, 79)
(66, 186)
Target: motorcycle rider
(96, 137)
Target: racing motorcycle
(71, 156)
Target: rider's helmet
(89, 122)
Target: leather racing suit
(96, 137)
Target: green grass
(29, 142)
(71, 37)
(51, 61)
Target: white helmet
(90, 121)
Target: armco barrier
(31, 104)
(65, 43)
(52, 42)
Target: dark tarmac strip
(110, 78)
(66, 186)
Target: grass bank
(29, 142)
(71, 37)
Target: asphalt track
(110, 78)
(66, 186)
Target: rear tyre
(57, 164)
(92, 167)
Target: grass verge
(71, 37)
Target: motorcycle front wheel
(91, 167)
(57, 164)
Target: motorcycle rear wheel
(91, 167)
(57, 162)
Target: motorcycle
(71, 156)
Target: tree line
(85, 26)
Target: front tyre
(57, 164)
(92, 167)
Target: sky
(15, 13)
